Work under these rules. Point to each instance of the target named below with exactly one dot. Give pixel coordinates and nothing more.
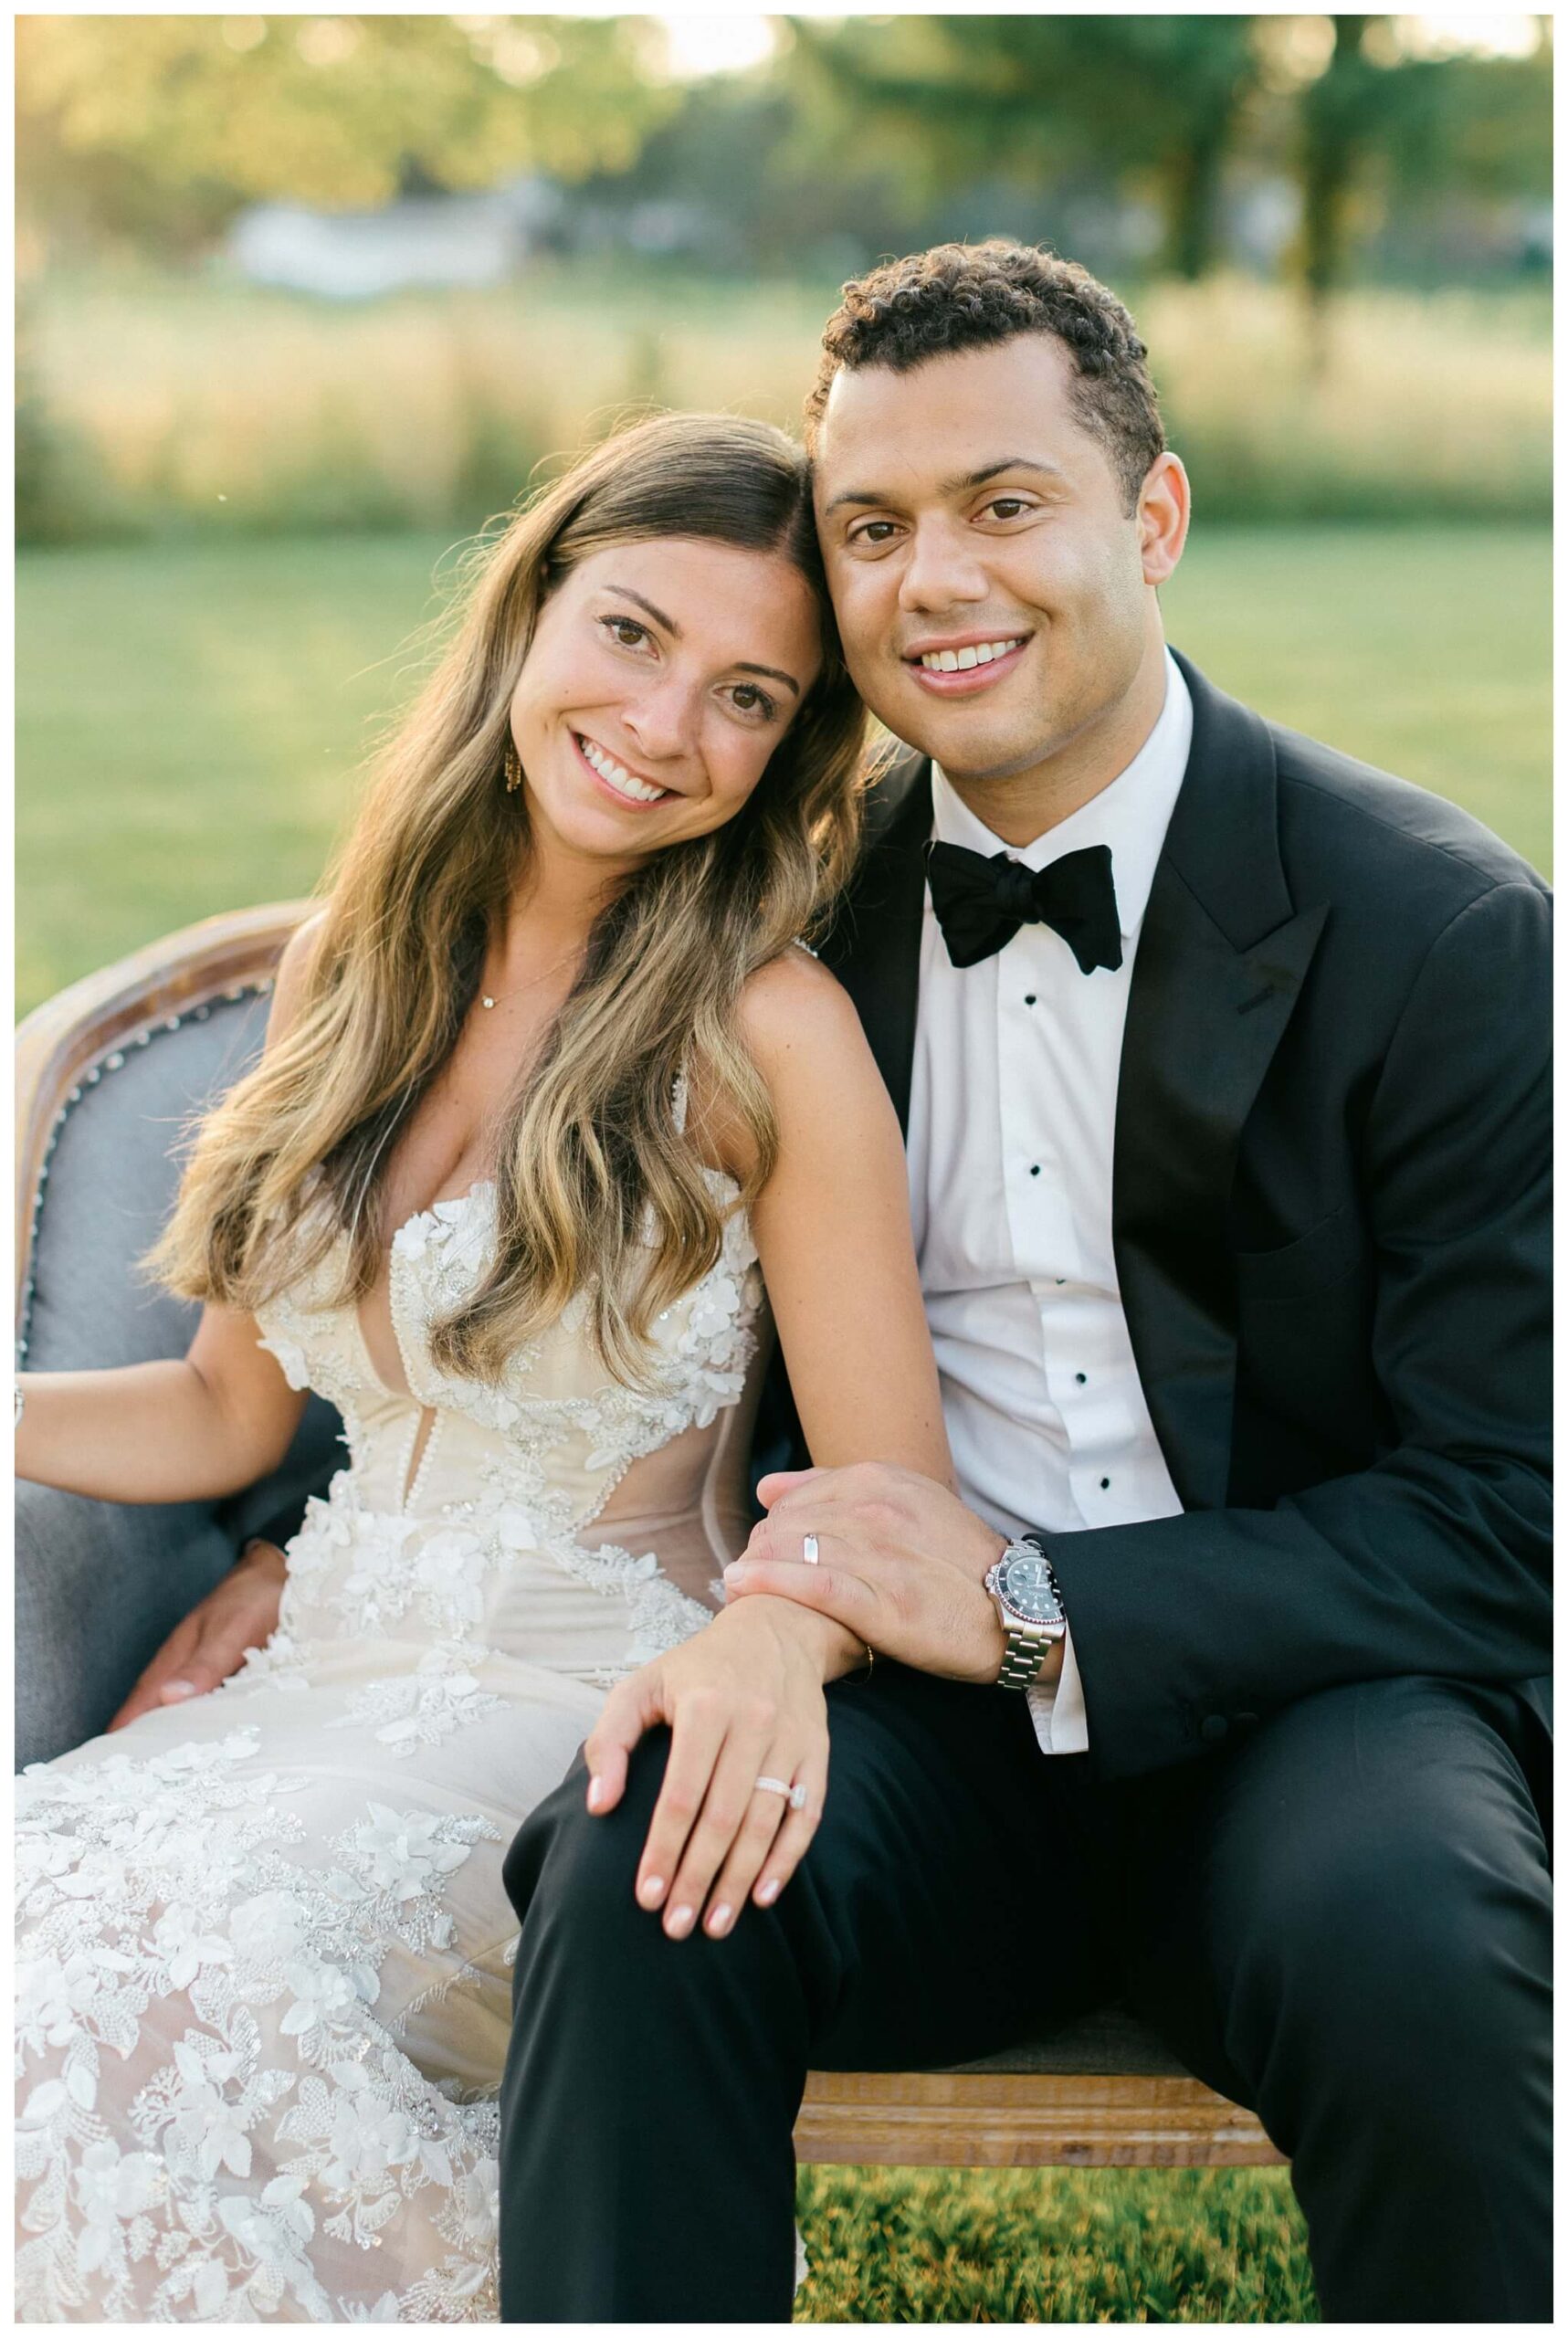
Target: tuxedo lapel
(874, 944)
(1221, 959)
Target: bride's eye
(620, 628)
(748, 700)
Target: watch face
(1025, 1585)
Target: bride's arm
(745, 1699)
(832, 1229)
(207, 1423)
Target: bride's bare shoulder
(793, 1012)
(801, 1030)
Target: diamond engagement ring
(809, 1551)
(795, 1795)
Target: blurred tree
(158, 128)
(1344, 113)
(1351, 107)
(1151, 102)
(1383, 119)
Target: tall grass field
(156, 403)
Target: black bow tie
(980, 903)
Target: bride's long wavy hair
(598, 1189)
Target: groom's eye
(873, 531)
(1007, 507)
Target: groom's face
(968, 515)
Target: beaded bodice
(484, 1519)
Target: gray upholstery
(100, 1585)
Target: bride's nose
(662, 718)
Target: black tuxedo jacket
(1331, 1217)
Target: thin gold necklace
(499, 998)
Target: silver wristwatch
(1023, 1583)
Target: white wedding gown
(264, 1948)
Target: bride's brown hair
(597, 1190)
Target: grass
(189, 721)
(1052, 2245)
(190, 717)
(159, 402)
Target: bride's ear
(1165, 508)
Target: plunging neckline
(449, 1204)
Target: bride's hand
(742, 1700)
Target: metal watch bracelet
(1028, 1645)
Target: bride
(548, 1095)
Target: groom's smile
(961, 665)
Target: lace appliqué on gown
(160, 1908)
(239, 1921)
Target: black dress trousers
(1341, 1921)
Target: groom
(1223, 1066)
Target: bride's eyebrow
(775, 673)
(743, 665)
(657, 614)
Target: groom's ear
(1164, 508)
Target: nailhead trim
(89, 1078)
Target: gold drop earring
(512, 768)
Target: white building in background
(437, 239)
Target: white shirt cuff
(1060, 1718)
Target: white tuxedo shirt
(1011, 1138)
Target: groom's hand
(900, 1561)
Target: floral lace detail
(278, 2107)
(219, 2121)
(420, 1708)
(358, 1570)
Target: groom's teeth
(619, 776)
(959, 661)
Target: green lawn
(189, 718)
(1054, 2244)
(189, 721)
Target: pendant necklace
(500, 997)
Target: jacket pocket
(1328, 1254)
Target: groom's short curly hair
(973, 295)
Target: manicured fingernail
(174, 1690)
(768, 1892)
(595, 1793)
(678, 1922)
(651, 1890)
(732, 1570)
(721, 1919)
